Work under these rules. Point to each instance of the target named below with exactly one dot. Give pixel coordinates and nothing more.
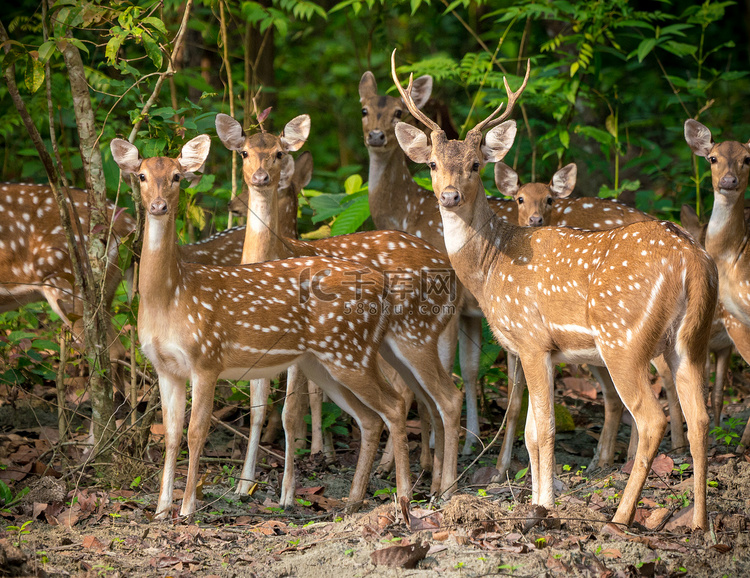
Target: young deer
(727, 232)
(422, 327)
(550, 205)
(199, 323)
(615, 298)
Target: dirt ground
(94, 526)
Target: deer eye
(747, 160)
(549, 200)
(142, 177)
(712, 160)
(279, 154)
(432, 165)
(243, 154)
(520, 200)
(398, 113)
(475, 166)
(176, 178)
(364, 111)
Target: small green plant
(391, 540)
(275, 510)
(136, 483)
(7, 499)
(713, 484)
(308, 524)
(482, 493)
(303, 502)
(338, 519)
(19, 531)
(229, 473)
(509, 568)
(567, 468)
(458, 566)
(42, 556)
(681, 469)
(385, 492)
(349, 552)
(726, 434)
(293, 543)
(520, 474)
(541, 543)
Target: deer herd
(373, 319)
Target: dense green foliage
(612, 83)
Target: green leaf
(152, 49)
(521, 473)
(46, 50)
(326, 206)
(611, 125)
(118, 36)
(352, 184)
(646, 46)
(574, 68)
(414, 6)
(155, 23)
(564, 136)
(45, 344)
(34, 76)
(352, 217)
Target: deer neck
(474, 239)
(262, 239)
(725, 235)
(159, 268)
(390, 186)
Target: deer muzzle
(535, 221)
(450, 198)
(728, 182)
(158, 207)
(376, 138)
(260, 178)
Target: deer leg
(316, 417)
(291, 416)
(434, 388)
(540, 426)
(203, 386)
(387, 460)
(634, 387)
(259, 390)
(604, 455)
(689, 379)
(425, 421)
(470, 348)
(516, 387)
(172, 392)
(717, 395)
(677, 431)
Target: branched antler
(512, 98)
(406, 95)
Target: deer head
(160, 177)
(455, 165)
(380, 114)
(730, 160)
(535, 200)
(266, 163)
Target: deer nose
(158, 207)
(728, 182)
(450, 197)
(536, 221)
(260, 178)
(376, 138)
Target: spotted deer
(287, 222)
(198, 323)
(35, 263)
(542, 204)
(727, 232)
(614, 298)
(423, 330)
(398, 203)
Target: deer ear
(498, 141)
(690, 221)
(194, 153)
(413, 142)
(506, 180)
(421, 91)
(368, 87)
(564, 181)
(230, 132)
(303, 168)
(698, 137)
(287, 172)
(125, 155)
(296, 132)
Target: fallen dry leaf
(400, 556)
(92, 543)
(662, 465)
